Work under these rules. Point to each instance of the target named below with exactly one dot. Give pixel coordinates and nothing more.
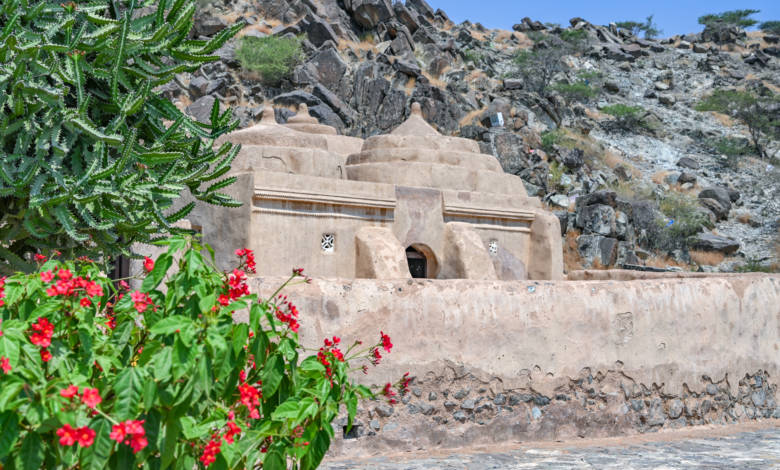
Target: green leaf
(10, 433)
(9, 393)
(161, 266)
(274, 460)
(31, 454)
(172, 431)
(96, 456)
(128, 387)
(170, 324)
(317, 449)
(287, 410)
(272, 375)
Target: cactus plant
(92, 157)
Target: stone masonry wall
(502, 362)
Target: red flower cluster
(233, 430)
(4, 365)
(141, 301)
(250, 397)
(249, 262)
(69, 436)
(385, 341)
(39, 258)
(67, 285)
(132, 433)
(89, 396)
(42, 337)
(211, 450)
(148, 264)
(287, 313)
(329, 353)
(236, 287)
(2, 290)
(389, 393)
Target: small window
(328, 242)
(493, 247)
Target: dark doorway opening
(418, 263)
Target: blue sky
(673, 17)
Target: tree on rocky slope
(649, 28)
(772, 27)
(759, 112)
(539, 65)
(728, 19)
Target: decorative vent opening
(328, 243)
(493, 247)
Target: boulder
(714, 206)
(687, 162)
(572, 158)
(369, 13)
(336, 104)
(406, 16)
(608, 198)
(686, 177)
(330, 68)
(596, 248)
(318, 30)
(209, 25)
(200, 110)
(711, 242)
(513, 84)
(599, 219)
(422, 7)
(719, 194)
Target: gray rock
(611, 87)
(514, 400)
(513, 84)
(318, 30)
(712, 389)
(329, 67)
(758, 397)
(687, 162)
(432, 396)
(468, 405)
(385, 411)
(369, 13)
(656, 417)
(450, 404)
(462, 393)
(608, 198)
(719, 194)
(667, 99)
(536, 412)
(721, 213)
(711, 242)
(209, 25)
(200, 109)
(374, 424)
(407, 67)
(499, 399)
(598, 219)
(460, 416)
(406, 16)
(597, 247)
(637, 405)
(687, 177)
(676, 408)
(426, 408)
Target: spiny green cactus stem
(92, 158)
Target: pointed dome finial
(268, 116)
(303, 108)
(416, 109)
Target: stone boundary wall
(515, 361)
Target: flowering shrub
(95, 375)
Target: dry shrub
(707, 258)
(470, 117)
(660, 177)
(663, 262)
(724, 119)
(744, 217)
(435, 81)
(572, 261)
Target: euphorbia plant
(200, 373)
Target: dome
(416, 154)
(273, 147)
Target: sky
(672, 16)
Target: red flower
(148, 264)
(85, 302)
(45, 355)
(85, 436)
(64, 274)
(47, 276)
(210, 451)
(132, 433)
(223, 300)
(91, 397)
(124, 285)
(386, 341)
(4, 365)
(69, 392)
(43, 332)
(233, 430)
(298, 272)
(39, 257)
(68, 435)
(140, 301)
(94, 289)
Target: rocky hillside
(600, 124)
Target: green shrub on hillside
(754, 110)
(772, 27)
(272, 57)
(648, 27)
(551, 138)
(92, 158)
(738, 18)
(626, 117)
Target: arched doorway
(422, 262)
